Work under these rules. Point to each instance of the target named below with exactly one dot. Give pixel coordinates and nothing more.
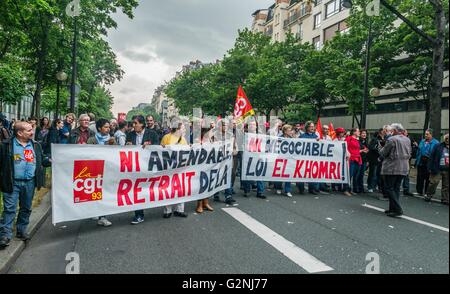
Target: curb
(9, 255)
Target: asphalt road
(336, 230)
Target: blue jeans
(360, 178)
(313, 187)
(288, 187)
(228, 194)
(248, 186)
(139, 213)
(23, 192)
(354, 170)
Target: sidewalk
(13, 251)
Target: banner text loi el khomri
(275, 159)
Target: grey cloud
(177, 31)
(127, 91)
(182, 30)
(138, 56)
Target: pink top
(354, 149)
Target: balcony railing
(306, 10)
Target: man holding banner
(243, 110)
(311, 134)
(21, 171)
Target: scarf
(102, 139)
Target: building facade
(312, 22)
(22, 110)
(318, 21)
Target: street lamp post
(366, 78)
(61, 77)
(74, 67)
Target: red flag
(242, 108)
(319, 128)
(331, 131)
(122, 117)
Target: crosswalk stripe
(410, 219)
(286, 247)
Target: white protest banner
(274, 159)
(91, 181)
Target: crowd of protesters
(25, 149)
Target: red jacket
(354, 149)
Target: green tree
(12, 84)
(148, 110)
(46, 33)
(416, 71)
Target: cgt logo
(87, 180)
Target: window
(303, 9)
(317, 20)
(330, 32)
(300, 31)
(317, 2)
(332, 7)
(316, 42)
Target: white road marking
(287, 248)
(410, 219)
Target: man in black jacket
(375, 146)
(21, 171)
(151, 125)
(141, 136)
(83, 133)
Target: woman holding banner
(203, 204)
(175, 137)
(288, 132)
(102, 137)
(340, 136)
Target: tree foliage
(40, 34)
(299, 80)
(148, 110)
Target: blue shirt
(425, 149)
(24, 160)
(66, 129)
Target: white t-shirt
(140, 137)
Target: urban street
(323, 234)
(246, 138)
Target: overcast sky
(166, 34)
